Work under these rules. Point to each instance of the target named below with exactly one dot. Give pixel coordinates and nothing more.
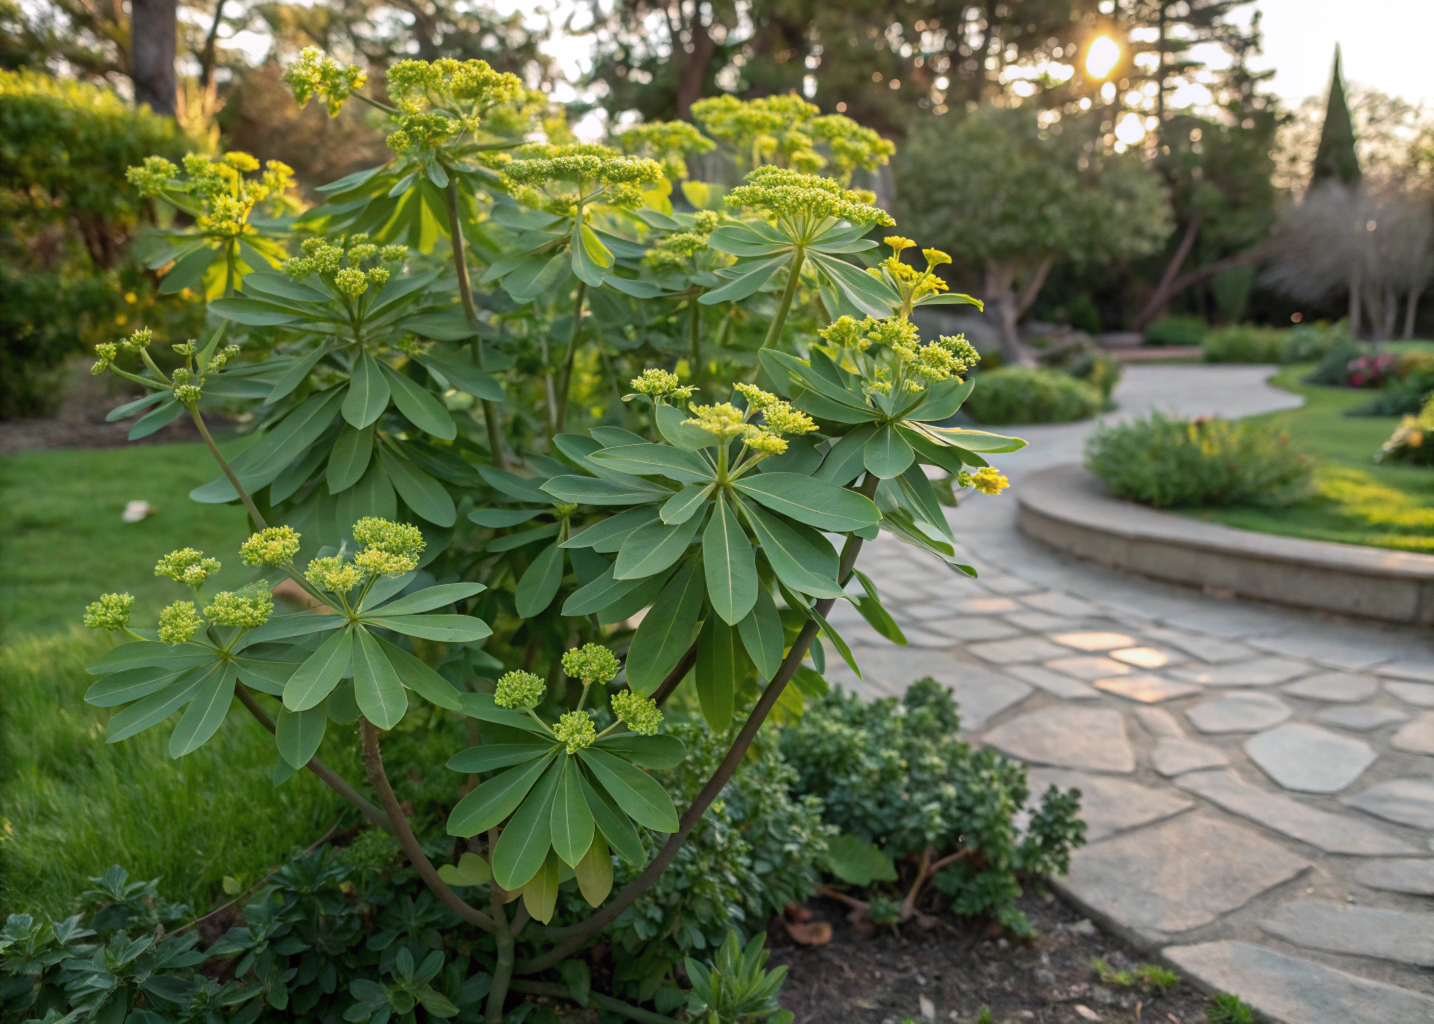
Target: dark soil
(960, 967)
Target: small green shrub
(1110, 976)
(1084, 315)
(1413, 440)
(1024, 394)
(1177, 330)
(1096, 367)
(1243, 343)
(1402, 397)
(1156, 978)
(1305, 343)
(1333, 368)
(1229, 1009)
(1169, 462)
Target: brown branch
(373, 764)
(927, 872)
(684, 665)
(1035, 284)
(1161, 297)
(1257, 254)
(825, 890)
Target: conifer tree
(1336, 160)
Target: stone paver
(1299, 991)
(1412, 876)
(1341, 687)
(1361, 717)
(1093, 640)
(1417, 737)
(1042, 622)
(1255, 672)
(1363, 931)
(965, 628)
(1421, 669)
(1332, 833)
(1009, 652)
(1238, 712)
(1088, 667)
(1178, 874)
(888, 670)
(1146, 688)
(1110, 804)
(1068, 736)
(1208, 649)
(1309, 759)
(1171, 757)
(1406, 801)
(1159, 722)
(1421, 695)
(1053, 683)
(1146, 657)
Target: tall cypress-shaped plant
(1336, 160)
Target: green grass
(64, 542)
(1355, 500)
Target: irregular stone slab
(1108, 804)
(1406, 801)
(1341, 687)
(1067, 737)
(1363, 931)
(1298, 991)
(1309, 759)
(1411, 876)
(1053, 683)
(1090, 640)
(1361, 717)
(1408, 668)
(986, 605)
(1041, 622)
(1172, 757)
(1332, 833)
(980, 693)
(1352, 648)
(1088, 667)
(967, 628)
(1008, 652)
(1061, 604)
(1145, 688)
(1255, 672)
(1177, 875)
(1238, 712)
(1417, 737)
(1205, 648)
(1159, 722)
(1421, 695)
(1006, 584)
(1147, 657)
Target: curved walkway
(1257, 782)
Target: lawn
(1355, 500)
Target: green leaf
(151, 654)
(526, 839)
(683, 505)
(636, 792)
(420, 678)
(871, 295)
(875, 612)
(258, 464)
(660, 751)
(887, 454)
(513, 541)
(430, 598)
(540, 583)
(657, 460)
(299, 733)
(491, 756)
(673, 425)
(974, 440)
(349, 458)
(740, 240)
(846, 460)
(450, 629)
(571, 821)
(150, 711)
(188, 270)
(313, 680)
(481, 707)
(419, 491)
(464, 376)
(586, 490)
(813, 502)
(836, 638)
(488, 804)
(280, 286)
(666, 631)
(540, 893)
(750, 277)
(607, 536)
(951, 299)
(731, 565)
(499, 518)
(377, 688)
(614, 825)
(762, 636)
(858, 862)
(587, 269)
(598, 594)
(471, 869)
(921, 501)
(942, 400)
(282, 627)
(206, 711)
(721, 667)
(783, 549)
(650, 549)
(594, 872)
(130, 685)
(421, 407)
(253, 312)
(368, 392)
(156, 419)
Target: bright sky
(1385, 44)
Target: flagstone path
(1257, 782)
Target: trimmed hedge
(1025, 394)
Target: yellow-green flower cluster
(179, 622)
(139, 340)
(722, 420)
(793, 196)
(520, 691)
(637, 712)
(351, 282)
(272, 547)
(110, 612)
(245, 608)
(226, 196)
(313, 74)
(851, 145)
(600, 175)
(417, 133)
(152, 177)
(786, 129)
(592, 663)
(333, 574)
(470, 86)
(725, 421)
(187, 566)
(675, 250)
(576, 730)
(667, 142)
(388, 536)
(328, 262)
(912, 284)
(662, 384)
(105, 354)
(987, 480)
(777, 415)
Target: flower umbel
(661, 384)
(592, 663)
(271, 547)
(637, 712)
(333, 574)
(987, 480)
(110, 612)
(179, 622)
(245, 608)
(187, 566)
(520, 690)
(576, 730)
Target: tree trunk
(692, 73)
(1356, 289)
(1003, 309)
(1391, 313)
(152, 35)
(1411, 310)
(1165, 290)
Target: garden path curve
(1258, 782)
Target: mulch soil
(948, 972)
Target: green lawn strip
(1355, 500)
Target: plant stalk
(465, 292)
(694, 337)
(259, 522)
(565, 381)
(794, 276)
(503, 971)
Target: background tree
(1336, 159)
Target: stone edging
(1069, 509)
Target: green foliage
(1413, 440)
(736, 986)
(1096, 367)
(1110, 976)
(1243, 343)
(1156, 978)
(1310, 342)
(1024, 394)
(1168, 462)
(1229, 1009)
(1177, 330)
(906, 782)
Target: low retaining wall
(1069, 509)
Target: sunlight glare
(1102, 57)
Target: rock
(1109, 805)
(1084, 1012)
(1406, 801)
(1089, 667)
(1361, 717)
(1342, 687)
(1238, 712)
(1309, 759)
(1417, 737)
(1053, 683)
(1205, 648)
(963, 629)
(1411, 876)
(1172, 757)
(1332, 833)
(1067, 737)
(1254, 672)
(1363, 931)
(1093, 641)
(1146, 657)
(1179, 874)
(1298, 991)
(1007, 652)
(1044, 978)
(1159, 722)
(1421, 695)
(1145, 688)
(1083, 927)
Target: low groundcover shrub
(1170, 462)
(1025, 394)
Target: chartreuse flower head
(187, 566)
(110, 612)
(804, 201)
(900, 340)
(313, 74)
(560, 178)
(334, 575)
(245, 608)
(657, 384)
(520, 691)
(592, 663)
(667, 142)
(675, 250)
(722, 420)
(271, 547)
(468, 87)
(347, 266)
(576, 730)
(179, 622)
(637, 712)
(226, 196)
(987, 480)
(389, 548)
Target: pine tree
(1336, 160)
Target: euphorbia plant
(712, 514)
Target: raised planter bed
(1069, 509)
